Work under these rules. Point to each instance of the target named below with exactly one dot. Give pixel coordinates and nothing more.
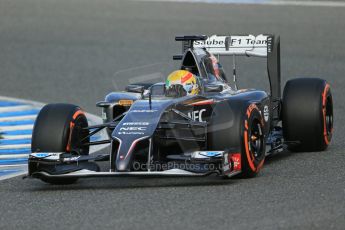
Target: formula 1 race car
(194, 124)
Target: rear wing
(263, 45)
(248, 45)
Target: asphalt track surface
(68, 51)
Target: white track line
(18, 118)
(2, 157)
(18, 146)
(15, 137)
(21, 171)
(12, 166)
(15, 127)
(29, 102)
(253, 2)
(15, 108)
(306, 3)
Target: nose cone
(124, 156)
(138, 124)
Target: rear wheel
(307, 114)
(60, 128)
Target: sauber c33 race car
(196, 123)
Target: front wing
(230, 166)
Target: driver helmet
(182, 82)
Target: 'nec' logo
(133, 128)
(197, 115)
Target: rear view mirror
(213, 88)
(157, 90)
(135, 89)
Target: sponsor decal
(46, 156)
(206, 154)
(125, 102)
(133, 128)
(131, 133)
(40, 155)
(231, 162)
(234, 42)
(238, 45)
(71, 159)
(266, 113)
(236, 158)
(269, 44)
(197, 115)
(248, 41)
(213, 154)
(136, 123)
(74, 158)
(213, 41)
(143, 111)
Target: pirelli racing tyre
(59, 128)
(239, 128)
(253, 142)
(307, 114)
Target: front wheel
(253, 142)
(239, 129)
(59, 128)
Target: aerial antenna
(234, 70)
(218, 57)
(150, 99)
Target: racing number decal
(255, 167)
